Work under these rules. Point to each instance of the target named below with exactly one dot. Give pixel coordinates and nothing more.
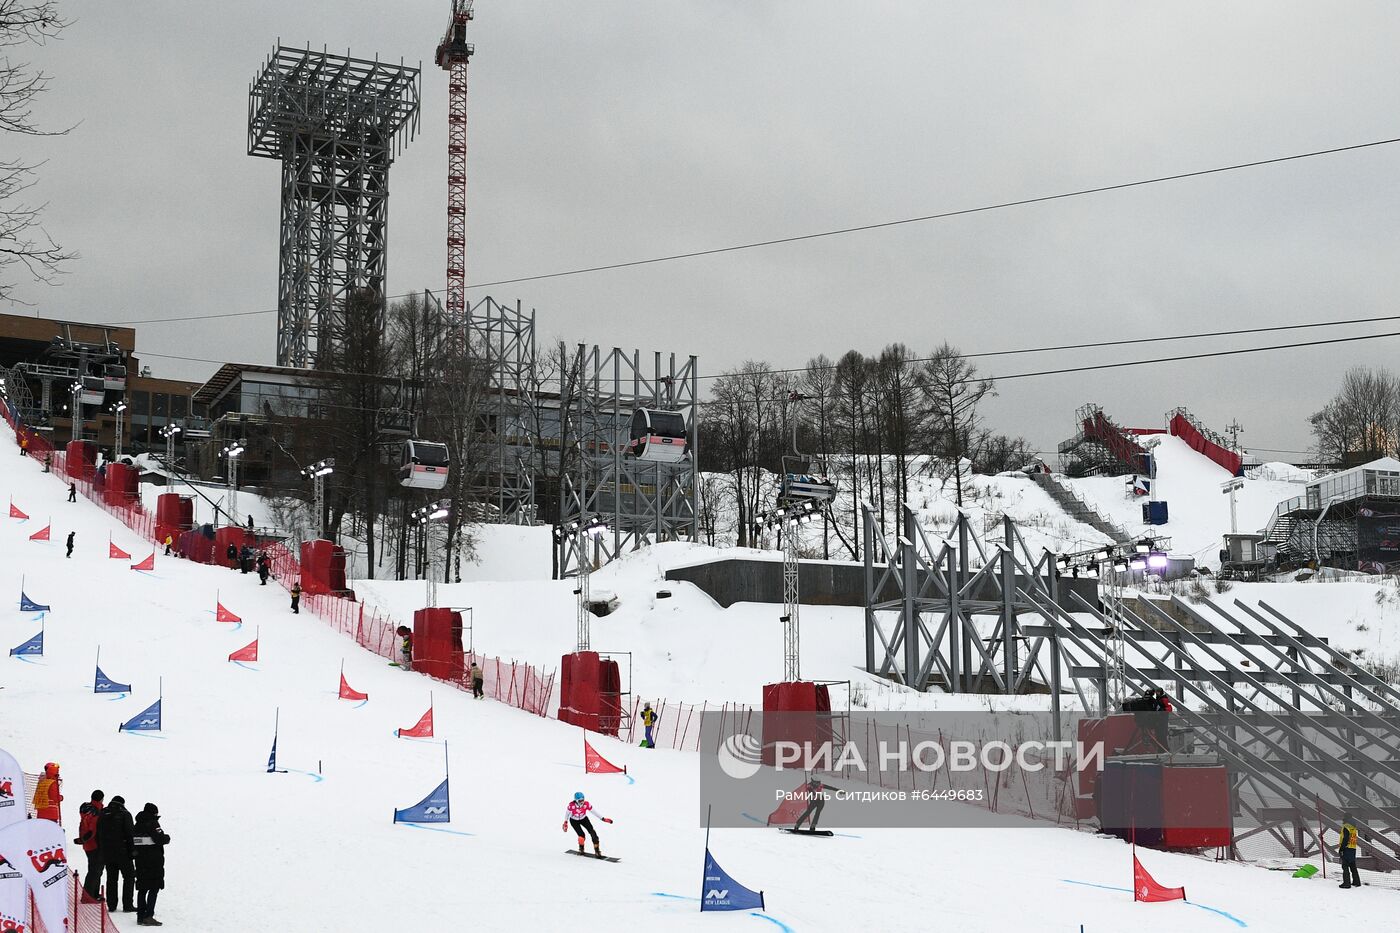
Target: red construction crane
(453, 53)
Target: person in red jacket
(46, 794)
(87, 838)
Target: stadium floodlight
(1157, 560)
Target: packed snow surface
(315, 849)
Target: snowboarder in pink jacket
(576, 816)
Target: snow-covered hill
(315, 849)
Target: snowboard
(601, 858)
(807, 832)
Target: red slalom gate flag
(41, 535)
(348, 692)
(594, 763)
(147, 564)
(424, 729)
(1146, 888)
(223, 615)
(248, 652)
(116, 553)
(15, 512)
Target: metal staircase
(1078, 509)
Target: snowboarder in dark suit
(114, 841)
(70, 544)
(816, 799)
(72, 492)
(148, 844)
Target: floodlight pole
(585, 567)
(792, 668)
(119, 409)
(318, 492)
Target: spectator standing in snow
(477, 681)
(148, 847)
(232, 555)
(245, 559)
(70, 544)
(577, 816)
(88, 814)
(23, 446)
(169, 542)
(250, 523)
(72, 492)
(296, 597)
(264, 568)
(1346, 852)
(48, 462)
(405, 647)
(47, 794)
(114, 837)
(649, 718)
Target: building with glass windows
(1349, 519)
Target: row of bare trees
(1362, 421)
(875, 421)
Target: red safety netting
(515, 683)
(85, 915)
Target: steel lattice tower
(336, 124)
(453, 53)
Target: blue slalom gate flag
(721, 892)
(434, 808)
(28, 605)
(146, 721)
(101, 683)
(35, 646)
(272, 759)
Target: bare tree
(23, 240)
(1362, 421)
(953, 392)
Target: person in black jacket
(149, 845)
(232, 554)
(114, 835)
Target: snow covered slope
(314, 849)
(1198, 512)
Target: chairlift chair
(805, 480)
(395, 422)
(657, 436)
(424, 465)
(92, 390)
(114, 377)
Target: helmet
(578, 795)
(51, 768)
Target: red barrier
(174, 515)
(1196, 808)
(122, 485)
(1182, 427)
(437, 644)
(81, 462)
(323, 567)
(796, 712)
(231, 535)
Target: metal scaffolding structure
(1306, 732)
(504, 339)
(929, 593)
(336, 124)
(639, 502)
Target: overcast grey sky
(621, 129)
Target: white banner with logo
(13, 903)
(35, 847)
(13, 792)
